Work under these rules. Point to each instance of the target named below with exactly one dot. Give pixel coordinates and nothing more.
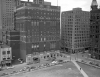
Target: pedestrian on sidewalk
(80, 68)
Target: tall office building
(6, 17)
(39, 27)
(95, 30)
(75, 30)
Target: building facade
(95, 30)
(38, 1)
(75, 30)
(5, 55)
(48, 56)
(39, 27)
(6, 17)
(13, 40)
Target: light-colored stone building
(6, 17)
(75, 30)
(5, 55)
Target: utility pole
(70, 54)
(77, 55)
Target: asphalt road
(21, 66)
(63, 70)
(73, 57)
(91, 71)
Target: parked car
(91, 63)
(0, 68)
(47, 64)
(4, 74)
(10, 67)
(42, 65)
(60, 61)
(21, 70)
(97, 64)
(14, 71)
(54, 62)
(83, 61)
(26, 67)
(33, 67)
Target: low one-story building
(5, 55)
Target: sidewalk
(83, 73)
(94, 60)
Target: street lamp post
(94, 55)
(77, 55)
(94, 59)
(70, 54)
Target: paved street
(65, 57)
(91, 71)
(62, 70)
(21, 66)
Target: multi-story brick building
(38, 1)
(13, 40)
(95, 30)
(39, 27)
(75, 30)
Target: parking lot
(62, 70)
(19, 68)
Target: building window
(41, 39)
(44, 45)
(52, 45)
(8, 52)
(8, 58)
(4, 52)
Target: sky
(70, 4)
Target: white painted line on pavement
(80, 69)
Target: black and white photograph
(49, 38)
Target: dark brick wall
(13, 40)
(95, 33)
(38, 24)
